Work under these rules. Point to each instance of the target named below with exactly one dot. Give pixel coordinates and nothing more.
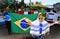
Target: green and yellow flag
(20, 23)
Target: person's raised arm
(56, 22)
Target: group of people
(39, 27)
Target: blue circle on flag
(24, 24)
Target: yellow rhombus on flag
(24, 23)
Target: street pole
(30, 2)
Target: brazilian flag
(20, 23)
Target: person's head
(48, 9)
(1, 11)
(40, 17)
(7, 9)
(19, 9)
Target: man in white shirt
(51, 16)
(40, 27)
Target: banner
(20, 23)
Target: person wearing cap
(40, 27)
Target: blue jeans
(38, 37)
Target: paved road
(54, 34)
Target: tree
(22, 1)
